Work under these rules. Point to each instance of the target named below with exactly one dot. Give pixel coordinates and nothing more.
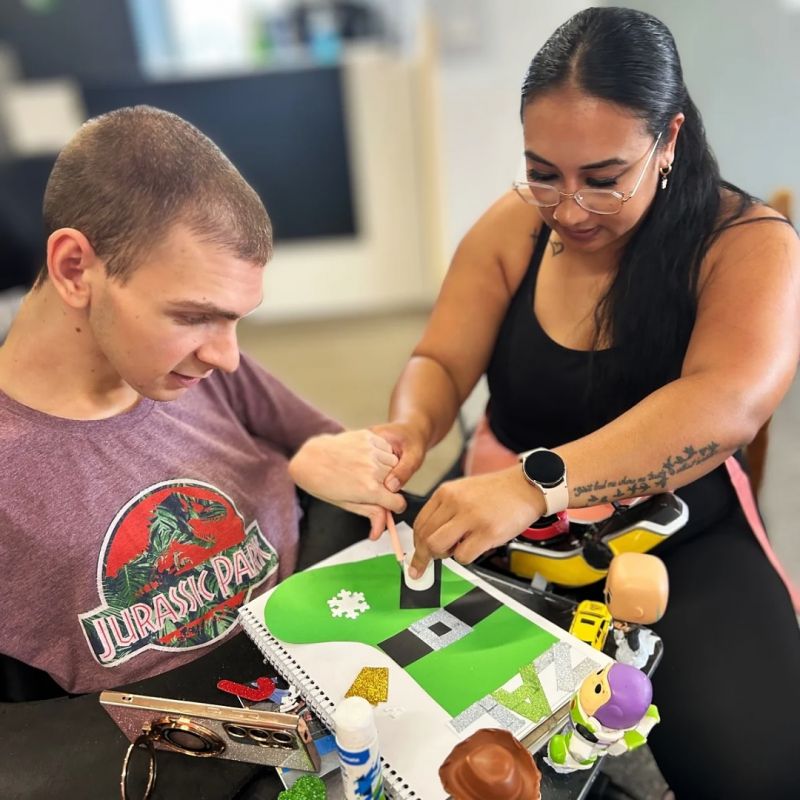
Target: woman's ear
(668, 151)
(71, 265)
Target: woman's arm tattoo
(605, 491)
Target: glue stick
(357, 746)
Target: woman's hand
(467, 517)
(348, 469)
(409, 444)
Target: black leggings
(728, 687)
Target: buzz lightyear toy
(610, 715)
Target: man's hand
(408, 444)
(467, 517)
(348, 469)
(376, 515)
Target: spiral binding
(321, 704)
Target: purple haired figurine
(611, 714)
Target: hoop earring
(664, 171)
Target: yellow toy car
(591, 623)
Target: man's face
(174, 321)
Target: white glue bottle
(357, 745)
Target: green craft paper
(461, 674)
(297, 611)
(455, 676)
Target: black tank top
(540, 396)
(540, 389)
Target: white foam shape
(348, 604)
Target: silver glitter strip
(467, 717)
(583, 669)
(565, 679)
(422, 629)
(506, 718)
(487, 702)
(568, 678)
(544, 660)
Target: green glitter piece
(527, 700)
(309, 787)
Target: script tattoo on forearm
(627, 486)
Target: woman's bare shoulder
(508, 230)
(508, 217)
(745, 232)
(734, 210)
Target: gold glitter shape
(372, 683)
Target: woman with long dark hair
(638, 319)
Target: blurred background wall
(376, 131)
(741, 62)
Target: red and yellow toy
(571, 552)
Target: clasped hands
(362, 471)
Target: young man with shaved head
(145, 491)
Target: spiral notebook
(481, 660)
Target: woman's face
(574, 141)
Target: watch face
(545, 467)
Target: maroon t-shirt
(127, 544)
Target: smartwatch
(546, 470)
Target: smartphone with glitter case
(211, 731)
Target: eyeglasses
(595, 201)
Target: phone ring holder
(145, 741)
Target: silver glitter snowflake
(348, 604)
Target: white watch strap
(556, 498)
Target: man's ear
(72, 264)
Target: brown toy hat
(491, 765)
